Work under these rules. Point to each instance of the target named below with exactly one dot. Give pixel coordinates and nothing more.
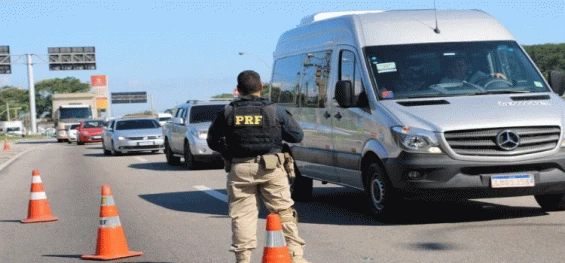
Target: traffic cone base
(38, 209)
(39, 219)
(111, 257)
(111, 241)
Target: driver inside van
(459, 70)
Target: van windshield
(452, 69)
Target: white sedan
(132, 135)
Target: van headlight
(416, 140)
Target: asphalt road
(174, 215)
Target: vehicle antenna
(436, 30)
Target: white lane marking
(140, 159)
(212, 193)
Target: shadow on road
(341, 206)
(163, 166)
(10, 221)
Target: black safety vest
(253, 128)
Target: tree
(547, 57)
(264, 93)
(46, 88)
(223, 96)
(15, 99)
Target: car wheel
(115, 152)
(106, 152)
(552, 202)
(171, 159)
(79, 142)
(188, 158)
(383, 199)
(69, 142)
(301, 188)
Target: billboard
(72, 58)
(129, 97)
(99, 85)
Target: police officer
(249, 134)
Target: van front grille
(490, 142)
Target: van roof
(325, 15)
(391, 27)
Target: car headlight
(202, 135)
(416, 140)
(122, 138)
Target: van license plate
(145, 143)
(518, 180)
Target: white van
(382, 111)
(164, 118)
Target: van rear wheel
(301, 188)
(551, 202)
(383, 199)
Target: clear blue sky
(179, 50)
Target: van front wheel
(552, 202)
(382, 197)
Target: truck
(12, 128)
(71, 108)
(369, 90)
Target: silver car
(132, 135)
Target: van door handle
(337, 116)
(327, 115)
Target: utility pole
(31, 95)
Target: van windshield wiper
(503, 92)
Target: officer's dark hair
(248, 82)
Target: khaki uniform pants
(247, 182)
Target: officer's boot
(243, 256)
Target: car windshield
(204, 113)
(93, 124)
(452, 69)
(137, 124)
(70, 113)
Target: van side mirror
(556, 80)
(344, 93)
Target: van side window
(301, 81)
(349, 70)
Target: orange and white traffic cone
(275, 250)
(6, 145)
(38, 209)
(111, 242)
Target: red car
(90, 131)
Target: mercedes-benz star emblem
(507, 140)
